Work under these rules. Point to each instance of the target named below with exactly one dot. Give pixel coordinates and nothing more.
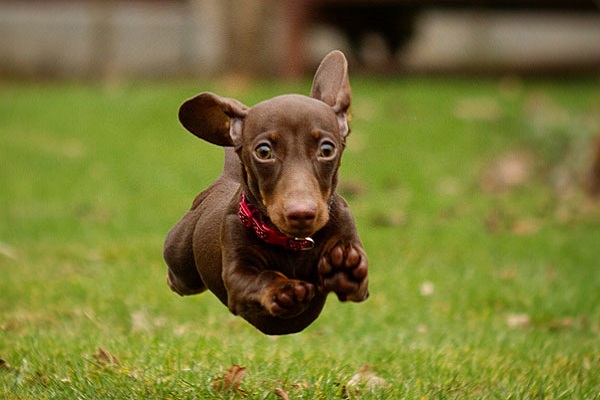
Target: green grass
(92, 177)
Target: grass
(480, 288)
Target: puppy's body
(281, 162)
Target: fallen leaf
(507, 172)
(10, 325)
(140, 322)
(569, 323)
(526, 227)
(518, 321)
(8, 251)
(282, 393)
(508, 274)
(365, 378)
(565, 323)
(427, 289)
(301, 385)
(231, 380)
(104, 358)
(179, 330)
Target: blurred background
(97, 39)
(473, 173)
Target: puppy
(271, 237)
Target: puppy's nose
(301, 213)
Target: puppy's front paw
(287, 297)
(344, 270)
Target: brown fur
(284, 153)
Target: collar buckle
(301, 244)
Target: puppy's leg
(344, 271)
(343, 266)
(178, 252)
(285, 297)
(253, 293)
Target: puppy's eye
(326, 150)
(263, 152)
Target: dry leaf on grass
(526, 227)
(427, 288)
(518, 321)
(8, 251)
(4, 365)
(104, 358)
(569, 323)
(507, 172)
(231, 380)
(300, 385)
(282, 393)
(508, 274)
(364, 379)
(142, 321)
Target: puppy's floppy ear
(213, 118)
(332, 86)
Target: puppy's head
(290, 146)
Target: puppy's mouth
(271, 232)
(302, 226)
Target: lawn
(484, 247)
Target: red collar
(251, 218)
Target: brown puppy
(271, 237)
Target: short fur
(284, 154)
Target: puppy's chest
(294, 264)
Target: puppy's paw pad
(344, 271)
(289, 298)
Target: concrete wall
(493, 40)
(164, 39)
(109, 38)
